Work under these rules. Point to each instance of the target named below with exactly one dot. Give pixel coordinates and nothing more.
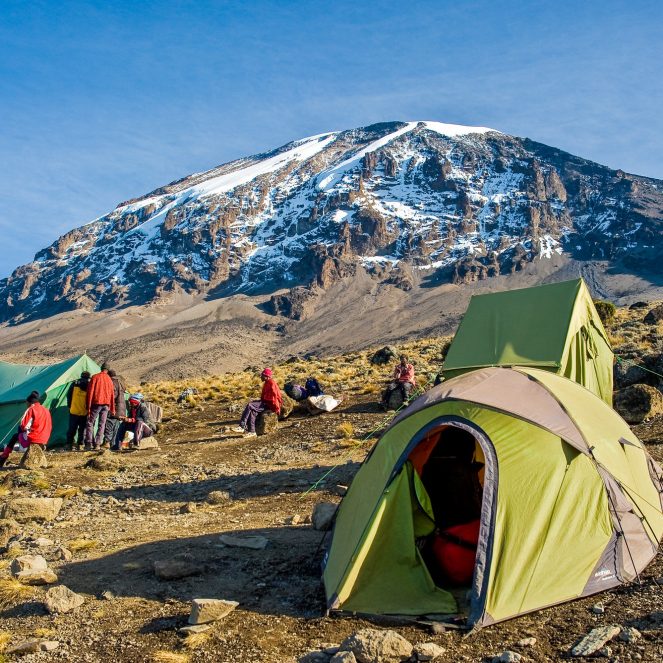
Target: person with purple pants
(100, 401)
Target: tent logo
(604, 574)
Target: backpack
(295, 391)
(313, 387)
(155, 411)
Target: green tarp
(554, 327)
(52, 381)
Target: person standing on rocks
(138, 421)
(403, 379)
(113, 421)
(100, 402)
(35, 427)
(270, 399)
(77, 402)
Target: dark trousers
(111, 430)
(251, 412)
(96, 411)
(139, 428)
(76, 429)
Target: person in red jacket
(100, 401)
(270, 399)
(35, 427)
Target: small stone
(189, 507)
(107, 595)
(375, 646)
(197, 628)
(527, 642)
(43, 542)
(629, 634)
(32, 647)
(219, 497)
(314, 657)
(604, 652)
(61, 599)
(252, 542)
(63, 553)
(34, 458)
(654, 316)
(429, 651)
(204, 611)
(148, 443)
(174, 569)
(594, 640)
(331, 650)
(343, 657)
(293, 520)
(598, 609)
(323, 516)
(507, 657)
(24, 509)
(105, 461)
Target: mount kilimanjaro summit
(400, 207)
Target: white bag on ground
(323, 403)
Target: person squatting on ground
(138, 421)
(35, 427)
(113, 421)
(270, 399)
(77, 402)
(100, 401)
(403, 379)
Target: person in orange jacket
(270, 399)
(35, 427)
(100, 401)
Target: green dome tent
(554, 327)
(52, 381)
(570, 504)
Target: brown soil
(135, 513)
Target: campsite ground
(154, 505)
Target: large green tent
(52, 381)
(571, 502)
(554, 327)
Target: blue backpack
(313, 387)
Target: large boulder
(287, 407)
(375, 646)
(655, 315)
(174, 569)
(34, 458)
(266, 422)
(625, 375)
(104, 461)
(383, 355)
(24, 509)
(638, 402)
(61, 599)
(396, 400)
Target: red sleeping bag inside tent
(455, 550)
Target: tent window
(450, 463)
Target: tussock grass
(67, 493)
(45, 632)
(345, 430)
(196, 640)
(4, 490)
(5, 637)
(163, 656)
(76, 545)
(12, 592)
(41, 483)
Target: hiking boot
(105, 445)
(87, 447)
(237, 429)
(250, 434)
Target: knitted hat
(267, 373)
(137, 397)
(33, 397)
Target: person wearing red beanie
(270, 399)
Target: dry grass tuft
(163, 656)
(345, 430)
(4, 490)
(45, 632)
(77, 545)
(5, 637)
(195, 640)
(132, 566)
(13, 592)
(67, 493)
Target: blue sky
(104, 101)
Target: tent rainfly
(569, 502)
(52, 381)
(554, 327)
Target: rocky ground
(142, 534)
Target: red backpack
(455, 550)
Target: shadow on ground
(282, 579)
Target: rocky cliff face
(404, 201)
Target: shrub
(606, 311)
(345, 430)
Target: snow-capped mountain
(401, 200)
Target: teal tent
(52, 381)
